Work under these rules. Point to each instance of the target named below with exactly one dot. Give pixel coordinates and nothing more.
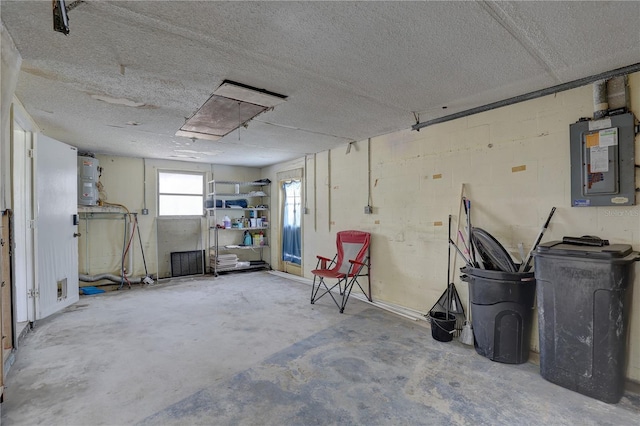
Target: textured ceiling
(130, 73)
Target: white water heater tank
(87, 181)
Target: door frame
(25, 229)
(289, 267)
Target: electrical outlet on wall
(145, 211)
(368, 209)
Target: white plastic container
(227, 222)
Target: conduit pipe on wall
(369, 198)
(144, 185)
(306, 187)
(600, 103)
(315, 194)
(396, 309)
(329, 188)
(115, 278)
(532, 95)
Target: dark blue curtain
(291, 235)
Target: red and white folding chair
(350, 263)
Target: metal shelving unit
(224, 240)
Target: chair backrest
(352, 245)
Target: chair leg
(349, 286)
(368, 295)
(316, 288)
(347, 292)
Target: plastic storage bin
(583, 312)
(501, 313)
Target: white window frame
(201, 194)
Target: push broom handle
(460, 252)
(472, 250)
(449, 255)
(449, 270)
(458, 221)
(527, 261)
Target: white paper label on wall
(599, 124)
(599, 159)
(609, 137)
(619, 200)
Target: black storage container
(583, 315)
(501, 313)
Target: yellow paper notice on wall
(592, 139)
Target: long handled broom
(466, 335)
(454, 304)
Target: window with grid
(180, 193)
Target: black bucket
(442, 325)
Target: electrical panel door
(603, 162)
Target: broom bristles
(466, 336)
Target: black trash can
(501, 313)
(583, 316)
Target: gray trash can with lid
(583, 315)
(501, 313)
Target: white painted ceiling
(129, 73)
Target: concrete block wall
(514, 162)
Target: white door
(56, 245)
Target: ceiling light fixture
(230, 106)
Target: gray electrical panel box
(603, 162)
(87, 181)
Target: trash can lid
(558, 248)
(496, 275)
(492, 252)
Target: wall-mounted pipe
(115, 278)
(600, 103)
(369, 198)
(144, 184)
(306, 186)
(329, 188)
(315, 194)
(532, 95)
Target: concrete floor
(250, 349)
